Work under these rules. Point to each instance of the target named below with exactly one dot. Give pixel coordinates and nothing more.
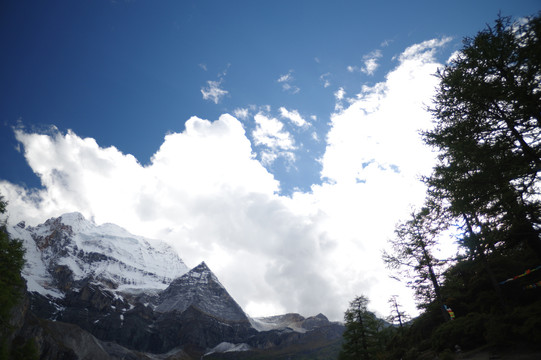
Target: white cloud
(241, 113)
(325, 79)
(339, 96)
(205, 192)
(286, 77)
(372, 164)
(370, 66)
(213, 91)
(454, 56)
(382, 124)
(294, 117)
(386, 43)
(286, 81)
(428, 48)
(270, 133)
(371, 62)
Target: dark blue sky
(128, 72)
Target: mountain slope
(200, 288)
(80, 249)
(135, 295)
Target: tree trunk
(435, 283)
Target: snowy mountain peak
(106, 253)
(76, 221)
(199, 288)
(114, 285)
(201, 274)
(292, 321)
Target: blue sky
(127, 72)
(319, 94)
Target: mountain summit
(201, 289)
(127, 296)
(79, 249)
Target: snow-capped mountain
(292, 321)
(202, 289)
(107, 253)
(130, 297)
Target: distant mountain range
(99, 292)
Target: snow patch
(225, 347)
(278, 322)
(107, 252)
(34, 271)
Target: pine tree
(397, 315)
(361, 340)
(412, 253)
(488, 133)
(11, 282)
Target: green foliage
(520, 326)
(412, 252)
(397, 316)
(487, 132)
(363, 337)
(11, 286)
(11, 264)
(488, 111)
(468, 332)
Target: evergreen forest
(484, 192)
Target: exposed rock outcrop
(98, 292)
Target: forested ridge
(485, 192)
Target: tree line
(485, 191)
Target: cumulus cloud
(372, 164)
(294, 117)
(213, 91)
(276, 141)
(428, 48)
(339, 94)
(206, 193)
(370, 63)
(389, 116)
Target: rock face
(208, 313)
(200, 289)
(105, 293)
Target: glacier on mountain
(136, 294)
(107, 253)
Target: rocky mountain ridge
(136, 296)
